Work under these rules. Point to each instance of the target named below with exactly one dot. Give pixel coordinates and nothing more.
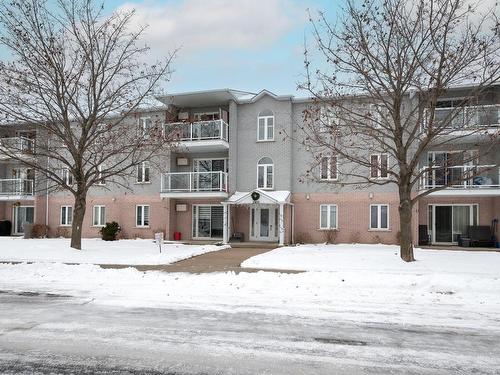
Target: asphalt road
(54, 334)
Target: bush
(330, 235)
(302, 238)
(39, 231)
(110, 231)
(63, 232)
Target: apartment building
(237, 174)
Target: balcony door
(450, 167)
(24, 178)
(207, 221)
(207, 177)
(23, 215)
(448, 222)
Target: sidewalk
(217, 261)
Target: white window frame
(142, 124)
(100, 181)
(328, 223)
(379, 217)
(99, 207)
(143, 167)
(379, 166)
(67, 177)
(329, 176)
(266, 119)
(264, 179)
(66, 220)
(142, 224)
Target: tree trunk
(405, 227)
(78, 215)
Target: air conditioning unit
(182, 161)
(183, 116)
(181, 207)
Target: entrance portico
(266, 210)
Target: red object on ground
(177, 236)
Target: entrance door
(264, 223)
(23, 215)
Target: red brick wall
(353, 216)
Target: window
(379, 165)
(67, 177)
(328, 216)
(142, 215)
(99, 217)
(146, 125)
(265, 172)
(328, 119)
(379, 216)
(100, 179)
(265, 126)
(328, 168)
(66, 216)
(143, 172)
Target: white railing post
(190, 181)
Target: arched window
(265, 173)
(265, 126)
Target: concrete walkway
(217, 261)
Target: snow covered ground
(96, 251)
(437, 315)
(376, 258)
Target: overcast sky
(242, 44)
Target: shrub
(330, 235)
(63, 232)
(110, 231)
(39, 231)
(355, 237)
(303, 238)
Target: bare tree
(79, 78)
(384, 65)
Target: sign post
(159, 239)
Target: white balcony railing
(467, 117)
(194, 182)
(17, 145)
(16, 186)
(462, 177)
(198, 130)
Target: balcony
(469, 117)
(18, 146)
(16, 188)
(200, 136)
(477, 180)
(194, 185)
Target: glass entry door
(264, 223)
(23, 215)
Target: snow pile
(382, 258)
(96, 251)
(460, 299)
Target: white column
(225, 229)
(229, 229)
(282, 225)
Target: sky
(246, 45)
